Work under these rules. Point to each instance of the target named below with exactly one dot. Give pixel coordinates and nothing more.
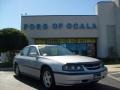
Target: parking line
(110, 75)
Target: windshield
(54, 51)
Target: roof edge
(53, 15)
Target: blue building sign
(58, 26)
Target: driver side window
(33, 52)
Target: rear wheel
(94, 82)
(17, 70)
(47, 78)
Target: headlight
(73, 67)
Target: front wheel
(93, 82)
(47, 78)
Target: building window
(111, 35)
(32, 27)
(80, 46)
(25, 26)
(111, 39)
(38, 26)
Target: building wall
(117, 18)
(106, 19)
(61, 32)
(107, 31)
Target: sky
(11, 10)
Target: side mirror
(33, 54)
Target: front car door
(33, 63)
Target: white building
(93, 35)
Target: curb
(113, 71)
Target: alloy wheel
(47, 79)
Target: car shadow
(35, 84)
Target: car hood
(72, 59)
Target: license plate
(97, 75)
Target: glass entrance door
(80, 49)
(85, 49)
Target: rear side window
(24, 52)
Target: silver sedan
(56, 65)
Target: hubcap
(47, 79)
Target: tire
(47, 78)
(93, 82)
(17, 70)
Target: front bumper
(68, 79)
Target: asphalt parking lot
(8, 81)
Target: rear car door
(23, 60)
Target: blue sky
(11, 10)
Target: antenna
(25, 14)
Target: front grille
(92, 66)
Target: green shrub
(6, 64)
